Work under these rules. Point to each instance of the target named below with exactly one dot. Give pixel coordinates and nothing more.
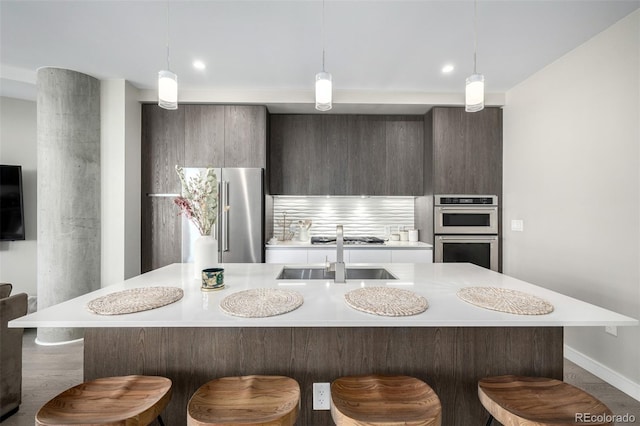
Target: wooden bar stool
(539, 401)
(113, 401)
(384, 400)
(245, 400)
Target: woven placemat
(135, 300)
(505, 300)
(261, 302)
(386, 301)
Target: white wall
(18, 141)
(571, 172)
(120, 168)
(133, 181)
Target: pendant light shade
(474, 89)
(474, 93)
(323, 91)
(324, 84)
(167, 81)
(167, 90)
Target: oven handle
(467, 238)
(467, 208)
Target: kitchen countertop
(387, 245)
(324, 304)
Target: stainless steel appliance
(480, 250)
(466, 214)
(348, 240)
(240, 224)
(466, 230)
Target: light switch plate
(517, 225)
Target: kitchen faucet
(338, 266)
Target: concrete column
(68, 191)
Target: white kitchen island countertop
(324, 304)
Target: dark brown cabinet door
(162, 148)
(225, 136)
(404, 137)
(245, 136)
(367, 155)
(296, 145)
(161, 233)
(467, 151)
(332, 165)
(204, 135)
(346, 154)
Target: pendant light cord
(475, 34)
(323, 41)
(168, 67)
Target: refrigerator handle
(225, 216)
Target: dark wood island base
(450, 359)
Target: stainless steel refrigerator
(240, 225)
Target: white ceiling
(379, 52)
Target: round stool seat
(539, 401)
(113, 401)
(245, 400)
(384, 400)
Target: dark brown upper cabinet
(334, 151)
(225, 135)
(405, 152)
(296, 148)
(245, 136)
(162, 146)
(367, 155)
(204, 139)
(346, 154)
(467, 151)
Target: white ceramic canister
(413, 235)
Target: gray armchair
(10, 351)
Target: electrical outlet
(322, 396)
(611, 329)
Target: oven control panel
(461, 200)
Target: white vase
(205, 254)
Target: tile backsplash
(359, 216)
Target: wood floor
(48, 370)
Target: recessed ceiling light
(447, 68)
(199, 65)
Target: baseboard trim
(600, 370)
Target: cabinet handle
(225, 215)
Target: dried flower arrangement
(199, 202)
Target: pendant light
(167, 81)
(474, 90)
(323, 80)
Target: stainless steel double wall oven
(466, 229)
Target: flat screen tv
(11, 205)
